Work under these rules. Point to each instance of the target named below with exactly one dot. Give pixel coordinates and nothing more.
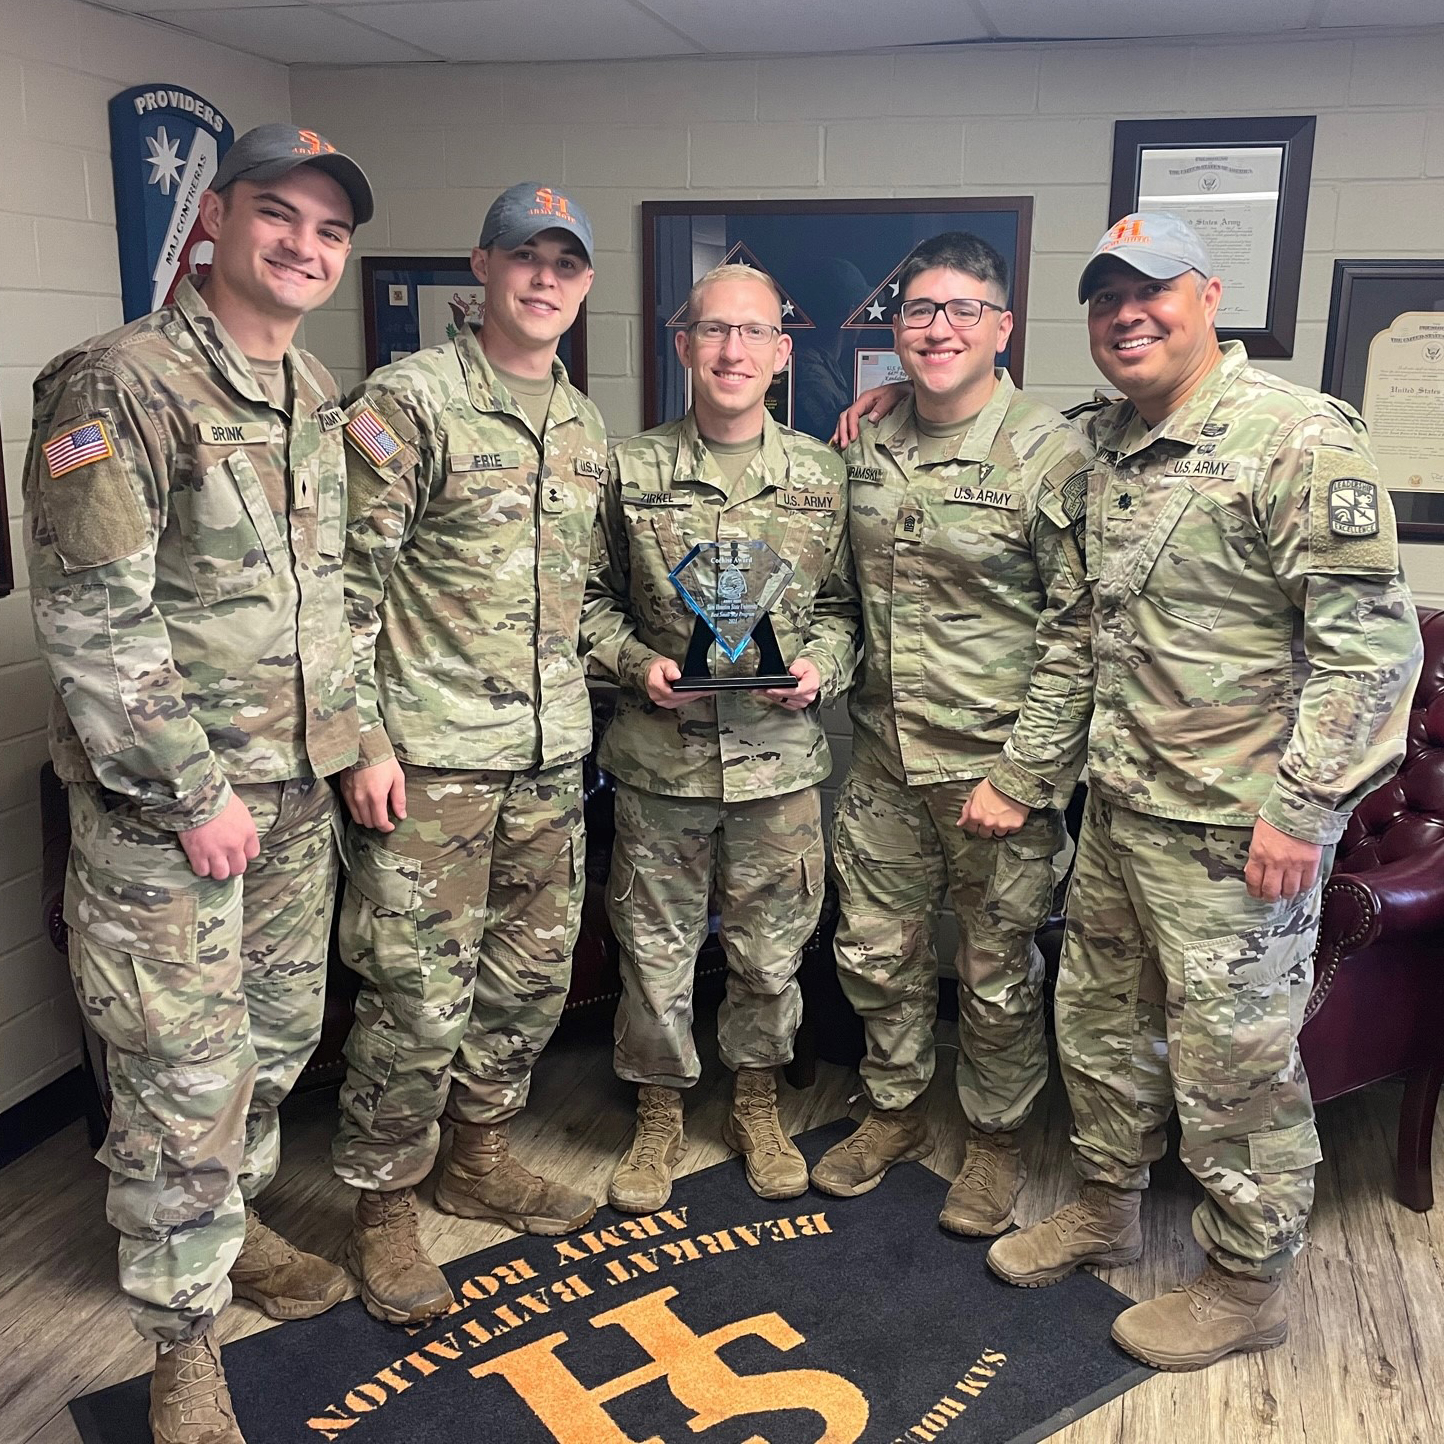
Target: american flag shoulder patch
(80, 446)
(372, 437)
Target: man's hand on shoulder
(222, 847)
(374, 794)
(873, 405)
(1279, 866)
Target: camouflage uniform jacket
(466, 560)
(976, 660)
(185, 540)
(1256, 644)
(664, 493)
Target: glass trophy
(731, 586)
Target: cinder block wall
(60, 63)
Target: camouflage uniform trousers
(208, 996)
(762, 864)
(461, 924)
(898, 853)
(1177, 989)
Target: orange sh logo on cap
(548, 202)
(1128, 232)
(312, 144)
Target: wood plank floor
(1364, 1365)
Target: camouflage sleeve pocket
(1351, 519)
(381, 449)
(90, 506)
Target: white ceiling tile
(294, 35)
(745, 27)
(1382, 12)
(1088, 19)
(525, 30)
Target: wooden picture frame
(1366, 299)
(402, 303)
(833, 261)
(1243, 182)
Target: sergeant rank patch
(372, 436)
(1353, 507)
(80, 446)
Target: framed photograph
(1385, 356)
(835, 262)
(411, 302)
(1243, 185)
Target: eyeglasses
(965, 311)
(753, 333)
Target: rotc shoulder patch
(372, 437)
(1351, 523)
(1075, 496)
(82, 445)
(1353, 506)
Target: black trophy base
(732, 684)
(771, 673)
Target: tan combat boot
(642, 1181)
(1197, 1324)
(399, 1283)
(482, 1180)
(775, 1169)
(189, 1400)
(980, 1202)
(1101, 1227)
(279, 1279)
(861, 1161)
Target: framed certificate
(411, 302)
(835, 263)
(1243, 185)
(1385, 356)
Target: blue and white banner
(165, 145)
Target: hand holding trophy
(731, 586)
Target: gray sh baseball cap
(1157, 243)
(270, 151)
(529, 208)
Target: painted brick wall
(60, 63)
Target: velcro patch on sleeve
(372, 437)
(81, 445)
(1351, 520)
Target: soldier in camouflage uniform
(969, 724)
(716, 791)
(1256, 650)
(474, 469)
(185, 507)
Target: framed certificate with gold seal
(1384, 355)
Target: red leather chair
(1377, 1007)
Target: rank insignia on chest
(1123, 501)
(372, 437)
(553, 498)
(80, 446)
(1353, 507)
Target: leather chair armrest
(1394, 900)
